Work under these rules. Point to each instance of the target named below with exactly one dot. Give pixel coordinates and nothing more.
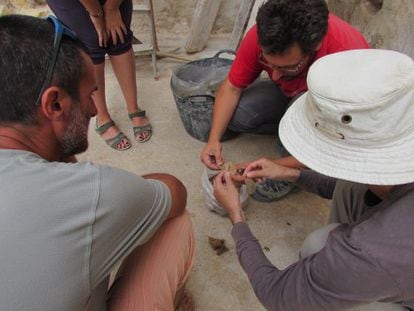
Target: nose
(276, 75)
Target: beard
(75, 138)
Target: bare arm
(96, 14)
(92, 6)
(289, 162)
(227, 99)
(177, 190)
(112, 4)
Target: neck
(383, 192)
(27, 138)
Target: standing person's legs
(74, 15)
(123, 63)
(154, 273)
(124, 68)
(102, 116)
(260, 108)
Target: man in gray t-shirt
(66, 225)
(354, 129)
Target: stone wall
(171, 15)
(387, 24)
(177, 15)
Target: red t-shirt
(246, 67)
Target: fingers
(210, 161)
(217, 157)
(253, 169)
(211, 157)
(223, 181)
(114, 36)
(123, 32)
(257, 171)
(220, 180)
(102, 38)
(120, 34)
(116, 27)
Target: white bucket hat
(356, 122)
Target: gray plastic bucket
(193, 86)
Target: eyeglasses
(287, 69)
(60, 31)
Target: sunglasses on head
(60, 31)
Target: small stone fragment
(218, 245)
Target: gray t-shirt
(64, 227)
(364, 262)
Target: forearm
(227, 99)
(93, 7)
(321, 185)
(255, 264)
(112, 4)
(289, 162)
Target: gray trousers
(260, 108)
(346, 207)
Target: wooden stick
(171, 55)
(203, 20)
(240, 25)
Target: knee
(176, 186)
(177, 190)
(178, 193)
(244, 120)
(316, 240)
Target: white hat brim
(388, 164)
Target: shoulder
(249, 47)
(341, 36)
(245, 68)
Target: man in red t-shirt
(288, 37)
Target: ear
(55, 103)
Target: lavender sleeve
(328, 280)
(319, 184)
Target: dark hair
(281, 23)
(26, 47)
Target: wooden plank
(152, 26)
(140, 8)
(203, 21)
(253, 15)
(240, 24)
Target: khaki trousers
(151, 276)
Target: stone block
(387, 24)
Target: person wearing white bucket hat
(354, 128)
